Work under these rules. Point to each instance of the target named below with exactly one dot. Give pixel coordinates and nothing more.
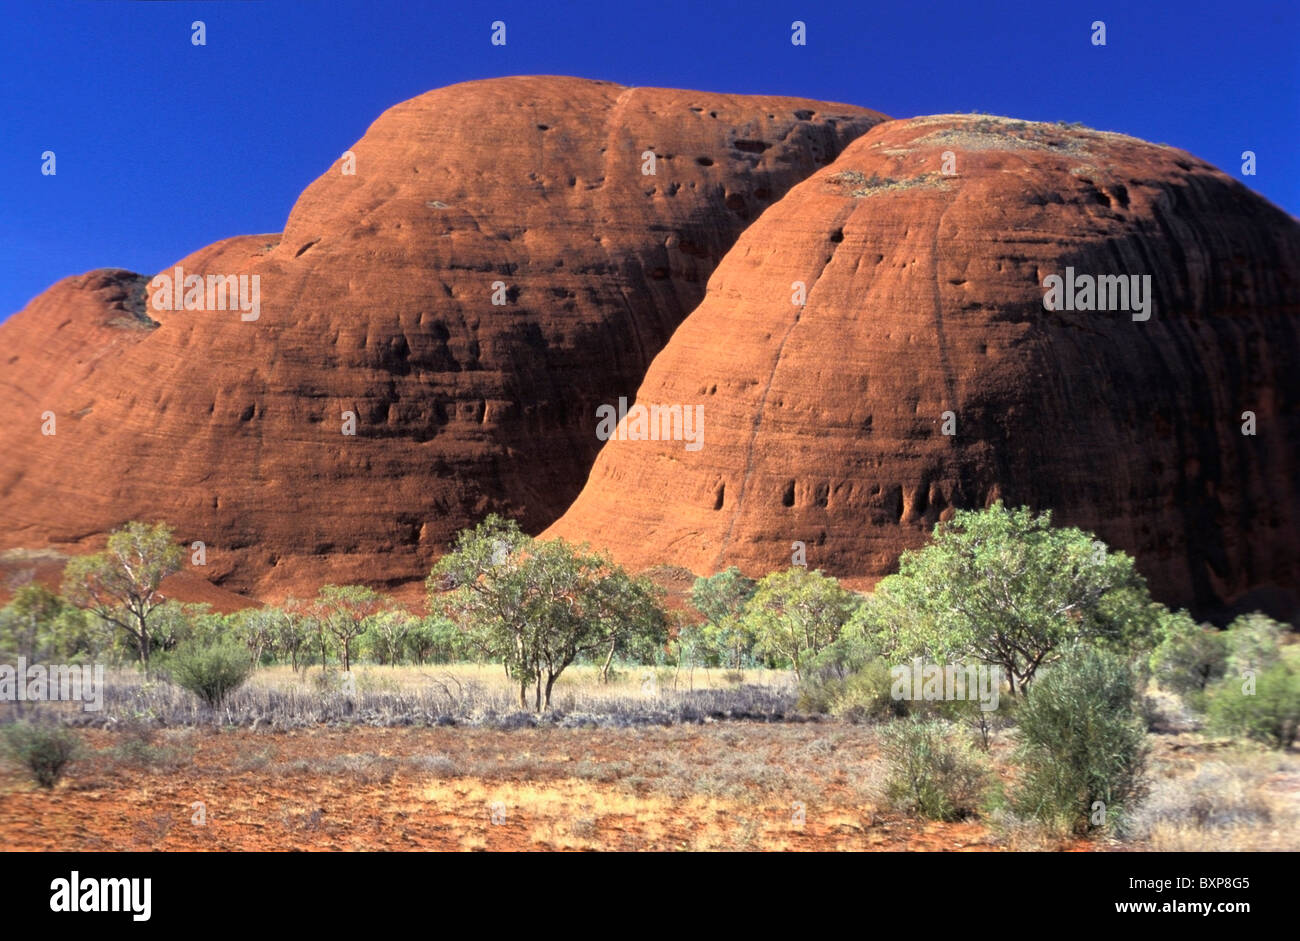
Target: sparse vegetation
(44, 750)
(1263, 708)
(931, 771)
(564, 642)
(211, 673)
(1083, 747)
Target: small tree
(27, 623)
(629, 612)
(120, 584)
(796, 614)
(1253, 643)
(257, 629)
(1005, 587)
(537, 605)
(722, 598)
(294, 629)
(388, 632)
(436, 639)
(931, 772)
(1264, 707)
(344, 610)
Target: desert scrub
(1264, 708)
(850, 681)
(1083, 744)
(1223, 805)
(211, 673)
(859, 184)
(932, 772)
(44, 750)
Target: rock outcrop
(825, 423)
(377, 303)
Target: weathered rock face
(63, 337)
(377, 301)
(824, 423)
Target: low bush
(1082, 742)
(44, 750)
(211, 673)
(1190, 659)
(1264, 708)
(932, 772)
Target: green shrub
(1253, 643)
(931, 772)
(849, 680)
(867, 695)
(211, 673)
(1269, 714)
(45, 750)
(1190, 659)
(1082, 741)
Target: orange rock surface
(824, 423)
(377, 301)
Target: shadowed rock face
(377, 300)
(824, 423)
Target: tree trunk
(523, 693)
(144, 644)
(550, 682)
(604, 670)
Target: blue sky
(163, 147)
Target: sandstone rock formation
(377, 301)
(823, 423)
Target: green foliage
(1253, 643)
(294, 630)
(536, 605)
(386, 635)
(868, 694)
(1190, 658)
(27, 622)
(1265, 707)
(721, 598)
(257, 629)
(174, 624)
(45, 750)
(211, 672)
(120, 584)
(1082, 741)
(796, 614)
(344, 612)
(437, 639)
(931, 770)
(848, 679)
(1005, 587)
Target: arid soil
(681, 788)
